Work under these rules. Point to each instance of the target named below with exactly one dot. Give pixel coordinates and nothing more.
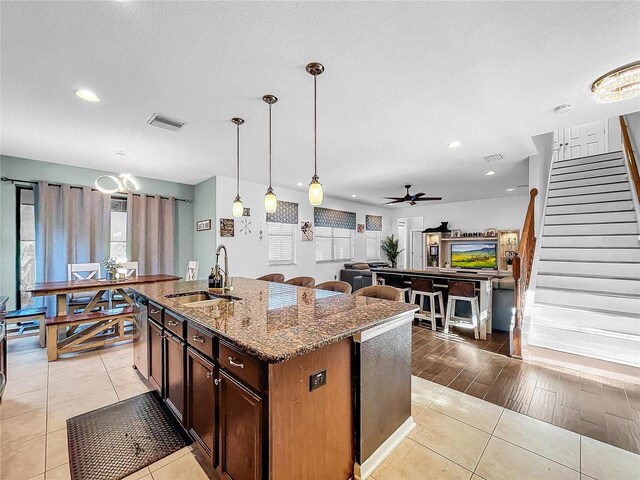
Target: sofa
(358, 274)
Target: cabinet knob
(234, 363)
(171, 323)
(209, 374)
(154, 312)
(217, 381)
(159, 335)
(198, 338)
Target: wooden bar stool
(423, 287)
(465, 292)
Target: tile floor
(457, 435)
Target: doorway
(411, 253)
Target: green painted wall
(204, 242)
(25, 169)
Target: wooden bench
(30, 314)
(90, 337)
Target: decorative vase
(111, 275)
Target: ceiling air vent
(168, 123)
(493, 158)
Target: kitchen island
(275, 381)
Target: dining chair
(335, 286)
(192, 270)
(83, 271)
(301, 281)
(131, 269)
(382, 292)
(272, 277)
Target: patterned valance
(287, 212)
(374, 223)
(326, 217)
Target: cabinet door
(240, 431)
(201, 401)
(155, 356)
(174, 374)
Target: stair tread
(587, 275)
(590, 292)
(614, 154)
(604, 311)
(590, 330)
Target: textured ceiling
(402, 80)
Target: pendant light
(123, 183)
(315, 187)
(270, 200)
(238, 208)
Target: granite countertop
(275, 321)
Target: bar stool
(423, 287)
(466, 292)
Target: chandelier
(620, 84)
(123, 183)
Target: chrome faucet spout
(227, 283)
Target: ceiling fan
(411, 199)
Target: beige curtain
(151, 233)
(72, 226)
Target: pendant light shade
(316, 194)
(270, 199)
(237, 209)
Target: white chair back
(83, 271)
(192, 270)
(131, 268)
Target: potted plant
(433, 260)
(390, 248)
(110, 266)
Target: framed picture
(246, 212)
(361, 228)
(456, 233)
(306, 228)
(433, 250)
(490, 232)
(203, 225)
(226, 227)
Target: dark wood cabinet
(201, 402)
(156, 358)
(174, 374)
(240, 430)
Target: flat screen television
(474, 255)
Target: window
(26, 246)
(282, 243)
(118, 246)
(334, 244)
(372, 246)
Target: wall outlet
(318, 379)
(335, 277)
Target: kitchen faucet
(226, 286)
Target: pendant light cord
(315, 125)
(238, 160)
(269, 146)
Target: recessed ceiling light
(562, 109)
(455, 144)
(619, 84)
(509, 189)
(87, 95)
(300, 184)
(490, 172)
(353, 195)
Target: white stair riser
(590, 207)
(587, 182)
(586, 284)
(608, 217)
(619, 270)
(594, 158)
(596, 229)
(595, 241)
(629, 306)
(587, 166)
(562, 176)
(591, 189)
(591, 254)
(594, 346)
(586, 199)
(582, 320)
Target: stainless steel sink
(201, 299)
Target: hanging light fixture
(238, 208)
(619, 84)
(123, 183)
(270, 200)
(316, 194)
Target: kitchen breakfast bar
(275, 381)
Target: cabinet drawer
(155, 312)
(241, 366)
(200, 341)
(174, 324)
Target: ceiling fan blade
(394, 198)
(427, 199)
(394, 201)
(421, 194)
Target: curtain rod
(16, 180)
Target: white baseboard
(364, 470)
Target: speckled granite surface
(274, 321)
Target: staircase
(587, 287)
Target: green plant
(110, 264)
(433, 260)
(390, 248)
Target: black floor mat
(115, 441)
